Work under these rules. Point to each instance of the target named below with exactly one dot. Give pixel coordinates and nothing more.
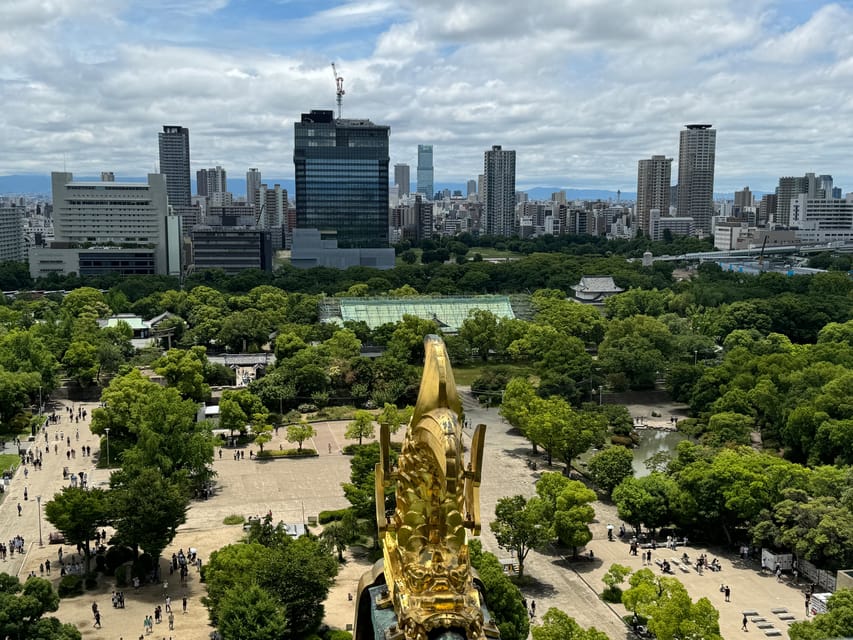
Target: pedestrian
(778, 573)
(171, 621)
(808, 601)
(47, 566)
(25, 494)
(169, 604)
(20, 508)
(185, 604)
(533, 606)
(728, 593)
(743, 624)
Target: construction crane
(761, 255)
(339, 81)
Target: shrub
(233, 519)
(117, 556)
(332, 516)
(306, 408)
(121, 576)
(70, 586)
(624, 441)
(350, 449)
(338, 634)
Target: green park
(755, 372)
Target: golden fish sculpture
(425, 587)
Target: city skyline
(580, 91)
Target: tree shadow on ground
(534, 587)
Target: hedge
(331, 516)
(271, 454)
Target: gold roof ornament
(429, 586)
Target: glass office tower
(342, 178)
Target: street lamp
(695, 356)
(600, 394)
(38, 501)
(107, 430)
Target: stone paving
(293, 489)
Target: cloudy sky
(581, 89)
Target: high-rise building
(653, 183)
(175, 164)
(108, 176)
(341, 168)
(499, 192)
(789, 188)
(426, 182)
(271, 206)
(402, 180)
(210, 181)
(743, 198)
(253, 183)
(767, 209)
(696, 155)
(12, 248)
(472, 188)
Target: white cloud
(582, 89)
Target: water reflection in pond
(653, 441)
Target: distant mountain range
(38, 184)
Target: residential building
(767, 208)
(12, 245)
(402, 180)
(341, 168)
(417, 220)
(743, 198)
(271, 209)
(653, 183)
(253, 183)
(499, 192)
(472, 188)
(210, 181)
(175, 164)
(696, 156)
(789, 188)
(103, 227)
(426, 182)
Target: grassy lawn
(466, 375)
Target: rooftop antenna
(339, 81)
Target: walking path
(297, 489)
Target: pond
(653, 441)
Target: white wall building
(124, 227)
(818, 220)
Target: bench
(779, 610)
(772, 632)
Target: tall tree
(520, 525)
(361, 427)
(147, 509)
(78, 513)
(250, 613)
(23, 607)
(557, 625)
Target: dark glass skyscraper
(342, 178)
(175, 164)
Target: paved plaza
(298, 489)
